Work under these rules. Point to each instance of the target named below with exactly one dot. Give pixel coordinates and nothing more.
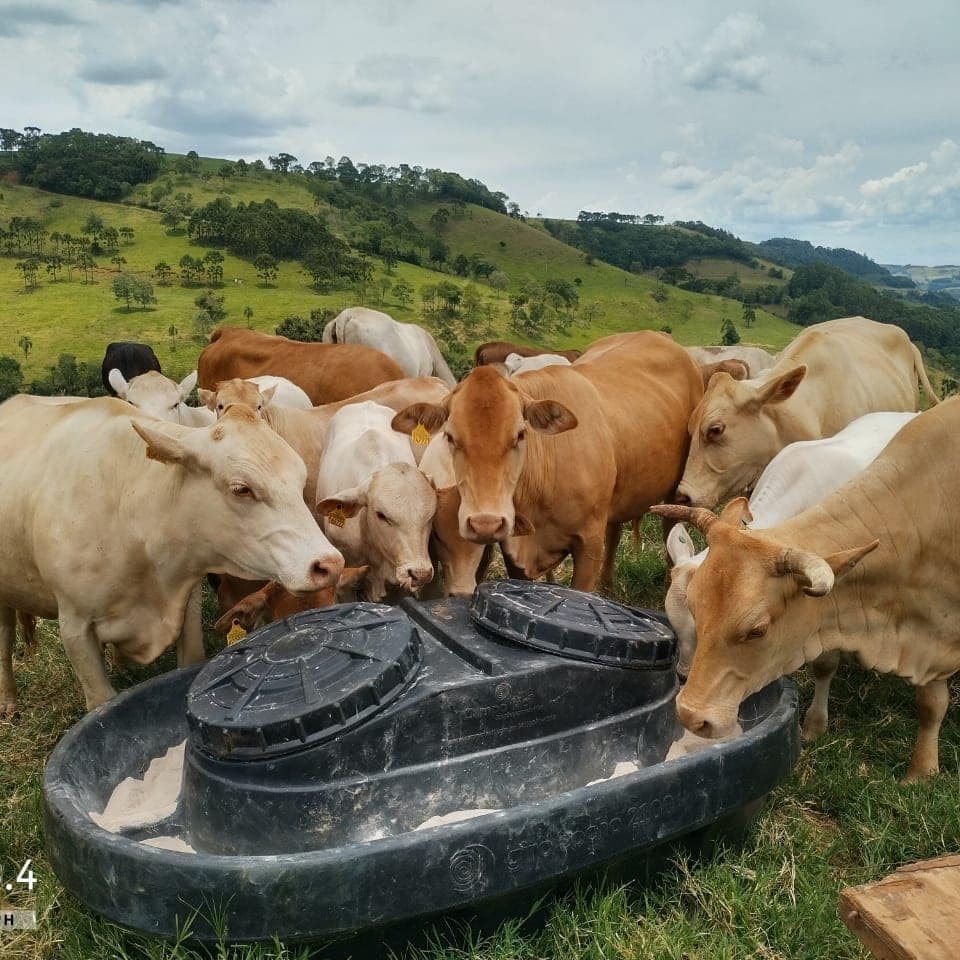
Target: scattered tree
(266, 267)
(728, 333)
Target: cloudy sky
(836, 122)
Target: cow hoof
(813, 727)
(918, 775)
(9, 709)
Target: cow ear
(737, 512)
(164, 448)
(349, 502)
(548, 416)
(352, 576)
(781, 388)
(187, 384)
(522, 527)
(119, 383)
(679, 544)
(843, 562)
(432, 415)
(208, 398)
(268, 395)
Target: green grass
(841, 819)
(73, 317)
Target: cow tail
(922, 375)
(635, 526)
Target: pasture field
(842, 818)
(67, 316)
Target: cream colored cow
(110, 518)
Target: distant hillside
(465, 271)
(798, 253)
(941, 279)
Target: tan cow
(497, 351)
(110, 518)
(831, 374)
(869, 570)
(326, 372)
(755, 359)
(568, 452)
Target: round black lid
(581, 625)
(302, 680)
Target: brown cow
(629, 398)
(497, 351)
(326, 372)
(251, 603)
(767, 601)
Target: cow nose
(682, 497)
(487, 526)
(694, 720)
(325, 571)
(420, 576)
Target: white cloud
(919, 192)
(419, 84)
(727, 60)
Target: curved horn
(813, 572)
(700, 517)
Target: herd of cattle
(363, 450)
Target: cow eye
(219, 406)
(383, 517)
(759, 630)
(521, 436)
(715, 430)
(450, 439)
(242, 490)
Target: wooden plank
(913, 914)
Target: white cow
(516, 364)
(285, 392)
(411, 346)
(110, 519)
(376, 506)
(800, 475)
(159, 396)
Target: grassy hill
(69, 316)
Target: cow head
(733, 435)
(751, 602)
(154, 393)
(244, 486)
(394, 507)
(485, 421)
(229, 392)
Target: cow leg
(9, 704)
(588, 554)
(611, 543)
(824, 668)
(190, 642)
(85, 655)
(513, 571)
(932, 702)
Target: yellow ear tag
(420, 435)
(337, 517)
(235, 633)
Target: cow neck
(881, 609)
(538, 475)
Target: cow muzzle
(712, 725)
(487, 528)
(323, 572)
(413, 577)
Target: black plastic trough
(319, 744)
